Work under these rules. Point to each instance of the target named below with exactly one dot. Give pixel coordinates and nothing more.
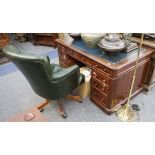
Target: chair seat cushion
(58, 72)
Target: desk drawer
(101, 78)
(98, 96)
(102, 68)
(89, 62)
(100, 86)
(73, 54)
(96, 65)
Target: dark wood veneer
(110, 83)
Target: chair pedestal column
(61, 109)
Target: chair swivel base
(42, 105)
(76, 98)
(61, 109)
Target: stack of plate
(111, 43)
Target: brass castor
(80, 101)
(41, 110)
(63, 115)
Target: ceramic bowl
(92, 39)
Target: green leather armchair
(49, 81)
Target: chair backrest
(36, 69)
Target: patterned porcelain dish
(92, 39)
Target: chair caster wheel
(64, 115)
(41, 110)
(80, 101)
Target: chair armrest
(65, 72)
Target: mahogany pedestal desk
(111, 74)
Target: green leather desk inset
(98, 52)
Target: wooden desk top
(114, 66)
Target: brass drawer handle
(83, 59)
(104, 84)
(94, 74)
(105, 70)
(102, 99)
(64, 57)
